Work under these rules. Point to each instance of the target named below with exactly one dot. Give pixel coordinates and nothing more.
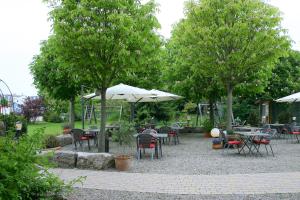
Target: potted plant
(66, 128)
(231, 135)
(217, 143)
(207, 126)
(125, 137)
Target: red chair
(263, 141)
(146, 141)
(79, 136)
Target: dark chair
(292, 131)
(258, 141)
(236, 143)
(165, 130)
(146, 141)
(79, 136)
(92, 134)
(174, 133)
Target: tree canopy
(52, 77)
(237, 42)
(103, 39)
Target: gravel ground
(194, 155)
(91, 194)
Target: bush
(207, 125)
(10, 122)
(51, 141)
(52, 117)
(253, 118)
(284, 117)
(24, 174)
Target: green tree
(102, 39)
(51, 76)
(185, 76)
(285, 78)
(236, 40)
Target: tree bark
(101, 138)
(229, 106)
(211, 112)
(72, 112)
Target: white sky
(24, 25)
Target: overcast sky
(24, 25)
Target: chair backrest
(164, 129)
(223, 137)
(93, 127)
(145, 139)
(77, 133)
(150, 131)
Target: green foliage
(285, 79)
(101, 40)
(50, 141)
(242, 107)
(284, 117)
(125, 134)
(52, 117)
(161, 111)
(233, 43)
(3, 102)
(24, 174)
(253, 118)
(189, 107)
(10, 122)
(207, 125)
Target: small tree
(32, 108)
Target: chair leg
(89, 144)
(271, 149)
(75, 145)
(267, 150)
(152, 153)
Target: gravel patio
(194, 155)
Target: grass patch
(50, 128)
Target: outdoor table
(159, 136)
(247, 140)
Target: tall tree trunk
(211, 112)
(101, 138)
(229, 106)
(72, 112)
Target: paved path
(264, 183)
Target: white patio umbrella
(158, 97)
(290, 99)
(122, 91)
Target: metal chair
(146, 141)
(265, 140)
(79, 136)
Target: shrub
(52, 117)
(207, 125)
(10, 122)
(24, 174)
(253, 118)
(51, 141)
(284, 117)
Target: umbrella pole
(132, 108)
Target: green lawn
(50, 128)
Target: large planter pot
(217, 146)
(122, 162)
(207, 135)
(66, 130)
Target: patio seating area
(194, 155)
